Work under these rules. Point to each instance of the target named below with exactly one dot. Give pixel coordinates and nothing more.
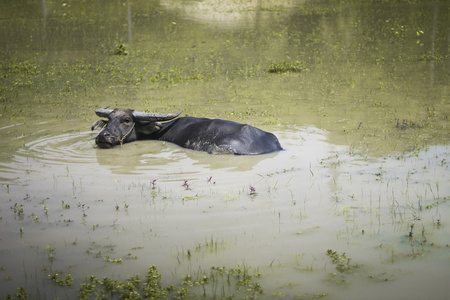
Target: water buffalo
(214, 136)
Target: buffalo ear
(148, 127)
(99, 124)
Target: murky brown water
(364, 124)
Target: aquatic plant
(65, 205)
(66, 281)
(407, 124)
(189, 287)
(18, 209)
(113, 260)
(341, 261)
(121, 49)
(285, 66)
(252, 191)
(21, 294)
(51, 252)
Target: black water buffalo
(211, 135)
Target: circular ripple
(70, 148)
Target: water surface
(362, 115)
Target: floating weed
(22, 294)
(187, 281)
(66, 281)
(65, 205)
(86, 289)
(231, 283)
(341, 261)
(407, 124)
(113, 260)
(18, 209)
(131, 256)
(121, 49)
(320, 295)
(111, 286)
(97, 251)
(50, 251)
(190, 198)
(284, 67)
(284, 171)
(152, 286)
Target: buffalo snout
(105, 140)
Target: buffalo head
(124, 125)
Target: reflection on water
(228, 13)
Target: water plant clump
(341, 261)
(407, 124)
(224, 283)
(21, 294)
(121, 49)
(18, 209)
(65, 281)
(285, 66)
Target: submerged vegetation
(284, 67)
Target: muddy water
(362, 116)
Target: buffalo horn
(103, 112)
(154, 117)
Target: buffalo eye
(127, 120)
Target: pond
(356, 203)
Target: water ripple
(69, 148)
